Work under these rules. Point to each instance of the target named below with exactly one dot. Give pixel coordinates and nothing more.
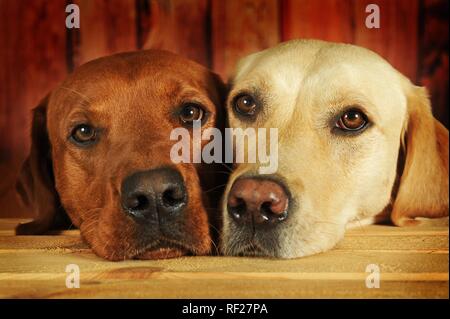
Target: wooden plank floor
(413, 263)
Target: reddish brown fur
(133, 97)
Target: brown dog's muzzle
(154, 196)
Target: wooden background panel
(240, 28)
(33, 61)
(344, 21)
(32, 36)
(37, 51)
(106, 27)
(180, 26)
(396, 40)
(329, 20)
(433, 53)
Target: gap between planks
(230, 275)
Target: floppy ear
(35, 184)
(423, 189)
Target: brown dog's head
(101, 151)
(343, 116)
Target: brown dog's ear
(423, 189)
(35, 184)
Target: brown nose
(259, 200)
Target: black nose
(153, 193)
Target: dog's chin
(163, 253)
(164, 249)
(250, 249)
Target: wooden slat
(222, 288)
(180, 26)
(8, 225)
(32, 62)
(106, 27)
(226, 277)
(240, 28)
(329, 20)
(396, 39)
(55, 257)
(390, 239)
(414, 266)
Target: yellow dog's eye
(84, 134)
(191, 112)
(245, 105)
(352, 120)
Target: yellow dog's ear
(423, 189)
(35, 184)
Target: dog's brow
(84, 97)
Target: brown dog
(101, 152)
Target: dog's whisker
(327, 233)
(327, 222)
(213, 227)
(223, 172)
(216, 248)
(84, 97)
(214, 188)
(360, 225)
(227, 167)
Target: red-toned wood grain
(32, 62)
(106, 27)
(180, 26)
(240, 28)
(397, 38)
(329, 20)
(37, 51)
(434, 60)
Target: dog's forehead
(296, 61)
(133, 73)
(136, 64)
(321, 72)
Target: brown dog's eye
(190, 113)
(84, 134)
(352, 120)
(245, 105)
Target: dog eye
(84, 134)
(352, 120)
(190, 113)
(245, 105)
